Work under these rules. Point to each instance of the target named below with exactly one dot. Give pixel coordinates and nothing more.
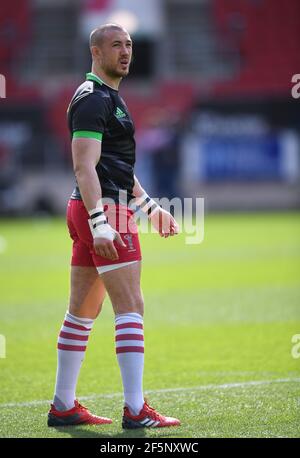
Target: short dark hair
(97, 35)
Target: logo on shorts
(128, 238)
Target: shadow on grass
(80, 432)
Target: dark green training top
(97, 111)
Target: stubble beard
(113, 72)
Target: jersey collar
(92, 77)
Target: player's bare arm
(86, 154)
(160, 219)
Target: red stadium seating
(266, 35)
(14, 31)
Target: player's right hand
(104, 237)
(105, 247)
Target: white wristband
(147, 205)
(98, 224)
(95, 211)
(104, 231)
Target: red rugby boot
(78, 415)
(147, 418)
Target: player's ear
(96, 52)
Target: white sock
(130, 353)
(72, 342)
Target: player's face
(116, 53)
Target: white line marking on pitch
(166, 390)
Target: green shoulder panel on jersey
(87, 134)
(92, 77)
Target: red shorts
(119, 217)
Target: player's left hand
(164, 223)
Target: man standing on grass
(106, 256)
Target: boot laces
(81, 407)
(154, 413)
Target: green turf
(219, 316)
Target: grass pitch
(219, 321)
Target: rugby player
(105, 256)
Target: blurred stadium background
(209, 90)
(211, 94)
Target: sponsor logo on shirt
(119, 113)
